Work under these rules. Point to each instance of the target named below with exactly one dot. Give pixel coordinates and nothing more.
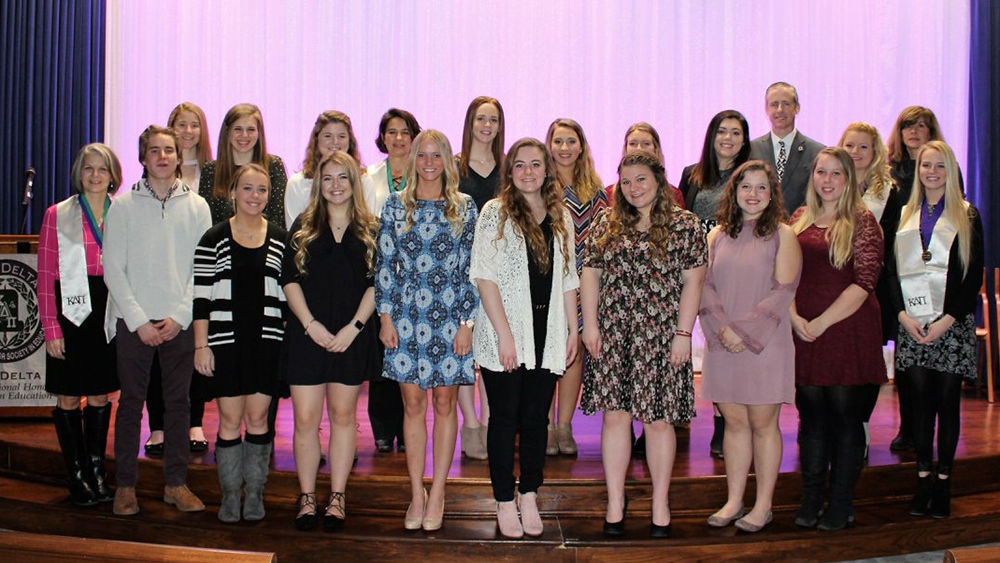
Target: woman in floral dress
(643, 269)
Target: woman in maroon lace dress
(836, 320)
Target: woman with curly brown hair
(523, 264)
(749, 368)
(331, 132)
(643, 269)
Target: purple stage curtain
(605, 63)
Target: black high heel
(308, 520)
(617, 528)
(332, 522)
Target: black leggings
(935, 394)
(831, 437)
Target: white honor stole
(72, 261)
(923, 283)
(874, 203)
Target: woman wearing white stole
(882, 197)
(72, 301)
(936, 275)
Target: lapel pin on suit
(801, 148)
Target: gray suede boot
(256, 458)
(229, 461)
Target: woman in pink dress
(749, 365)
(838, 352)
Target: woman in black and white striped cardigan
(238, 331)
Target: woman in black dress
(238, 330)
(79, 361)
(479, 176)
(332, 334)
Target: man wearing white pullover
(150, 235)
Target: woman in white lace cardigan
(523, 261)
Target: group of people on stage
(519, 270)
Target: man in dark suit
(790, 152)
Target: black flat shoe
(901, 443)
(198, 446)
(308, 520)
(153, 449)
(383, 446)
(660, 532)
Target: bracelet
(680, 332)
(200, 347)
(309, 324)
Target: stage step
(375, 495)
(880, 529)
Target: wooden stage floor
(33, 499)
(980, 435)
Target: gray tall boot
(229, 462)
(256, 458)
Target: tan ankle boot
(125, 502)
(182, 497)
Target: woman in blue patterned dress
(427, 303)
(584, 197)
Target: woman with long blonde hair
(838, 357)
(426, 302)
(881, 196)
(328, 277)
(584, 197)
(935, 280)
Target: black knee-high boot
(843, 478)
(813, 459)
(69, 429)
(95, 431)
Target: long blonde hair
(849, 207)
(955, 209)
(316, 218)
(586, 182)
(455, 203)
(878, 177)
(514, 207)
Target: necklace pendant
(926, 255)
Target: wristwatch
(358, 324)
(469, 323)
